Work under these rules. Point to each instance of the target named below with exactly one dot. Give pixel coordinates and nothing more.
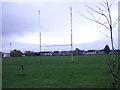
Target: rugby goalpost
(70, 37)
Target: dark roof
(45, 52)
(91, 50)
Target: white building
(6, 55)
(90, 52)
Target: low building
(100, 52)
(90, 52)
(117, 51)
(65, 53)
(6, 55)
(46, 53)
(55, 53)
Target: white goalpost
(71, 36)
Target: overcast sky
(20, 26)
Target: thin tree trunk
(111, 34)
(112, 62)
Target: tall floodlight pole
(71, 34)
(39, 32)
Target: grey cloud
(20, 19)
(16, 20)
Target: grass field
(89, 71)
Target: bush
(16, 53)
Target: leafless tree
(105, 12)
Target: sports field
(87, 71)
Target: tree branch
(93, 9)
(111, 3)
(110, 19)
(103, 5)
(111, 68)
(96, 21)
(91, 14)
(104, 34)
(101, 10)
(104, 2)
(104, 23)
(116, 21)
(100, 13)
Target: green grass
(89, 71)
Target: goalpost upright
(39, 32)
(71, 34)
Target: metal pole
(40, 41)
(39, 31)
(71, 35)
(22, 66)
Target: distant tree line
(18, 53)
